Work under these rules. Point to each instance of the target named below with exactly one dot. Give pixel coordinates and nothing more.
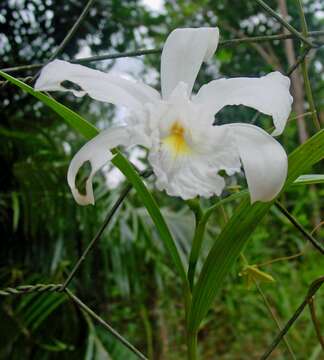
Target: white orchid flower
(186, 151)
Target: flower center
(176, 140)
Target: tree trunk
(296, 79)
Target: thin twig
(315, 321)
(27, 289)
(106, 222)
(283, 258)
(102, 57)
(317, 227)
(274, 317)
(299, 60)
(111, 330)
(298, 226)
(308, 88)
(69, 35)
(311, 292)
(104, 225)
(309, 95)
(284, 23)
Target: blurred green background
(127, 278)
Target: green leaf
(149, 202)
(237, 231)
(40, 308)
(89, 131)
(16, 210)
(76, 121)
(309, 179)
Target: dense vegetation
(128, 278)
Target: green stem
(194, 205)
(274, 318)
(302, 18)
(309, 95)
(308, 88)
(315, 285)
(192, 346)
(154, 211)
(201, 222)
(195, 250)
(148, 332)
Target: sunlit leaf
(309, 179)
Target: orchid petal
(97, 152)
(268, 94)
(183, 54)
(264, 161)
(107, 87)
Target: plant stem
(308, 88)
(309, 95)
(148, 332)
(192, 346)
(274, 317)
(316, 284)
(283, 22)
(195, 250)
(283, 258)
(315, 321)
(201, 222)
(95, 239)
(300, 227)
(27, 289)
(69, 35)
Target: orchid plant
(187, 150)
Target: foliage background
(128, 279)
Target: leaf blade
(88, 131)
(237, 231)
(72, 118)
(309, 179)
(149, 202)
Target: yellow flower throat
(176, 140)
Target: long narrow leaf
(76, 121)
(89, 131)
(128, 170)
(309, 179)
(237, 231)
